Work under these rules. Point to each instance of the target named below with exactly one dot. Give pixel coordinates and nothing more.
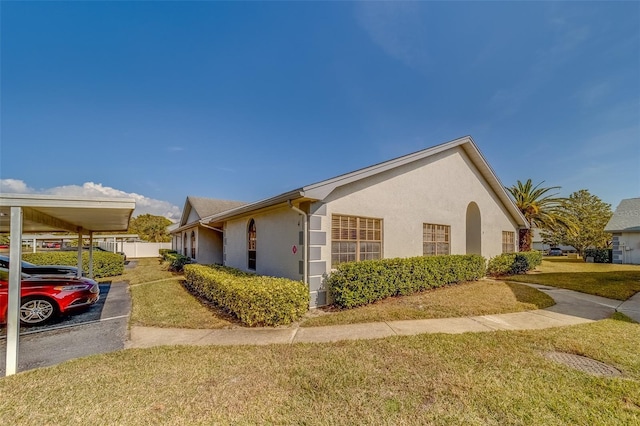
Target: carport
(44, 213)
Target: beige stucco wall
(193, 217)
(631, 250)
(208, 246)
(435, 190)
(277, 231)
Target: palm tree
(540, 209)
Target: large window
(508, 242)
(193, 245)
(436, 239)
(355, 238)
(251, 245)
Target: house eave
(253, 207)
(635, 229)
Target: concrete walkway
(571, 308)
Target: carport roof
(49, 213)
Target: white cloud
(14, 186)
(144, 204)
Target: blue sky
(243, 101)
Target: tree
(150, 228)
(540, 209)
(590, 215)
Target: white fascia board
(28, 200)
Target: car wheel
(37, 310)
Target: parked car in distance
(45, 297)
(555, 251)
(32, 269)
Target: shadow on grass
(619, 316)
(530, 295)
(619, 285)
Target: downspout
(305, 248)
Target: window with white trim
(436, 239)
(508, 242)
(355, 238)
(251, 245)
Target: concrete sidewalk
(571, 308)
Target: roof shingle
(626, 218)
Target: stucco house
(624, 225)
(195, 239)
(442, 200)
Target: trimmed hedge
(360, 283)
(104, 264)
(175, 259)
(514, 263)
(599, 255)
(254, 299)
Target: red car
(45, 297)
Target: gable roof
(204, 207)
(319, 190)
(626, 218)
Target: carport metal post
(91, 255)
(15, 272)
(79, 254)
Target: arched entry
(474, 229)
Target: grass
(160, 300)
(497, 378)
(614, 281)
(466, 299)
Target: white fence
(133, 250)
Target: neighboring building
(441, 200)
(538, 243)
(195, 239)
(625, 227)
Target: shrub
(599, 255)
(360, 283)
(176, 260)
(514, 263)
(253, 299)
(105, 264)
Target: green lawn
(618, 282)
(465, 299)
(160, 300)
(496, 378)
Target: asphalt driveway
(100, 329)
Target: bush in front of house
(254, 299)
(360, 283)
(175, 259)
(514, 263)
(599, 255)
(105, 264)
